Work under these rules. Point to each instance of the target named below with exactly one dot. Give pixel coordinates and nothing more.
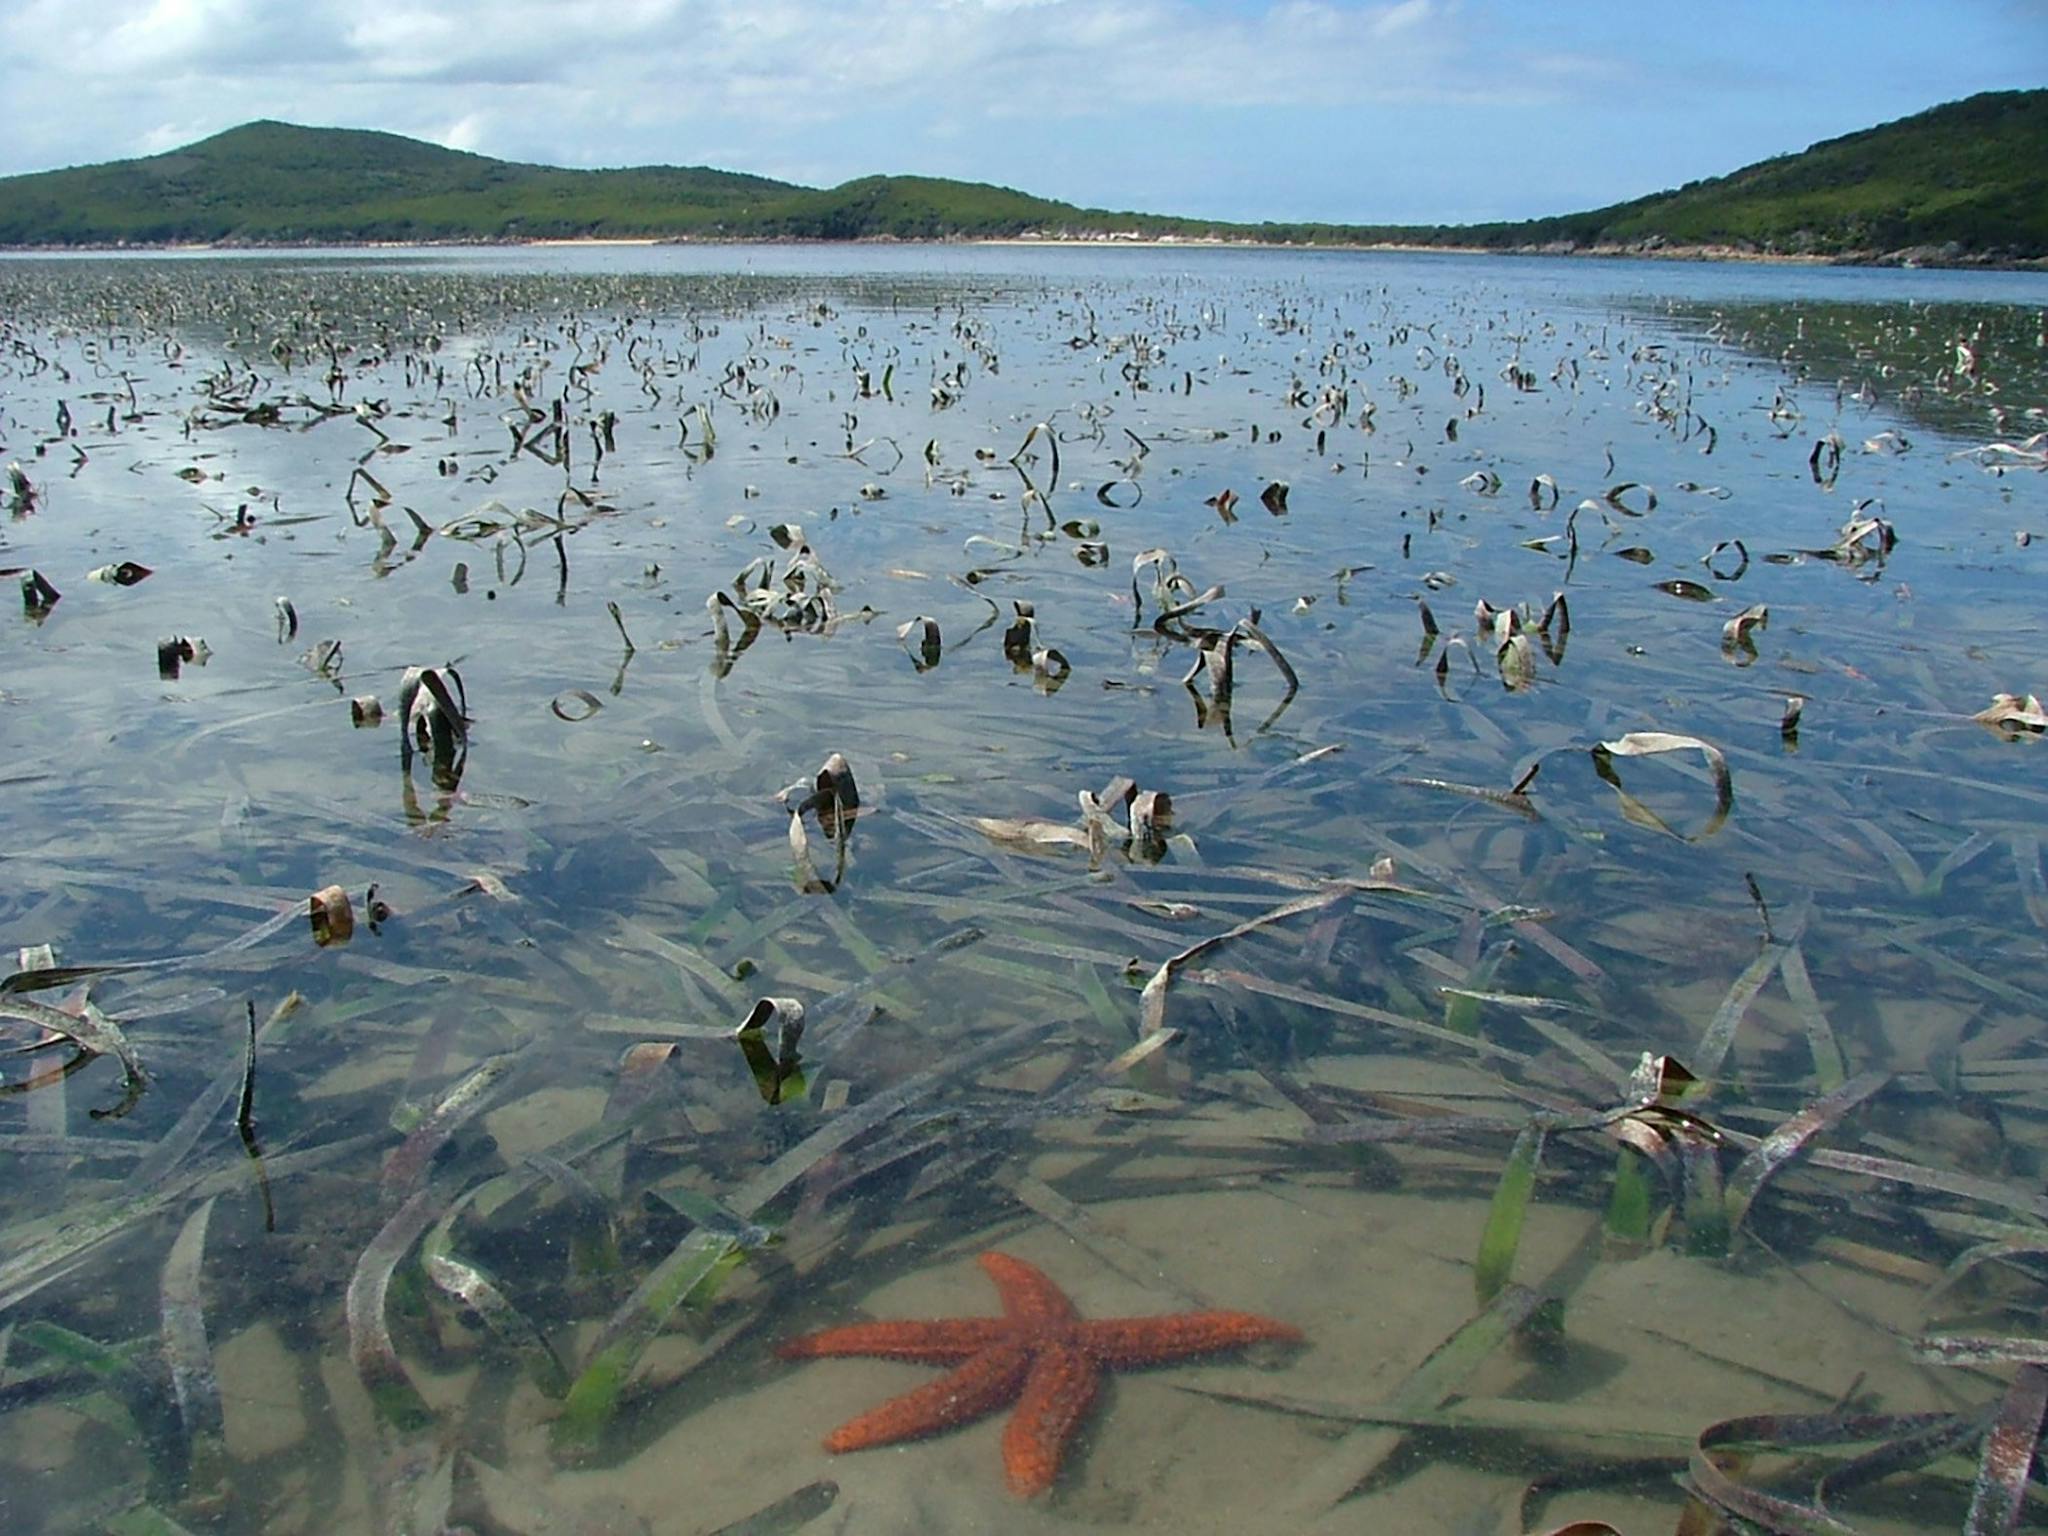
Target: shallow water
(530, 1054)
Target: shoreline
(1924, 258)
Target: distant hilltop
(1966, 182)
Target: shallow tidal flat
(573, 816)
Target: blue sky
(1395, 110)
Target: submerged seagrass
(889, 755)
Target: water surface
(1391, 466)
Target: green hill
(1966, 181)
(1971, 174)
(276, 183)
(929, 208)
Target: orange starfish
(1040, 1354)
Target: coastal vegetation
(1966, 181)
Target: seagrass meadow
(904, 889)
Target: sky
(1362, 111)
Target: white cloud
(1396, 18)
(466, 132)
(1283, 108)
(631, 74)
(164, 32)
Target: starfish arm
(1029, 1296)
(1127, 1341)
(1040, 1354)
(947, 1341)
(1056, 1397)
(972, 1389)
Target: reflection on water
(1604, 1026)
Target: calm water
(501, 1138)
